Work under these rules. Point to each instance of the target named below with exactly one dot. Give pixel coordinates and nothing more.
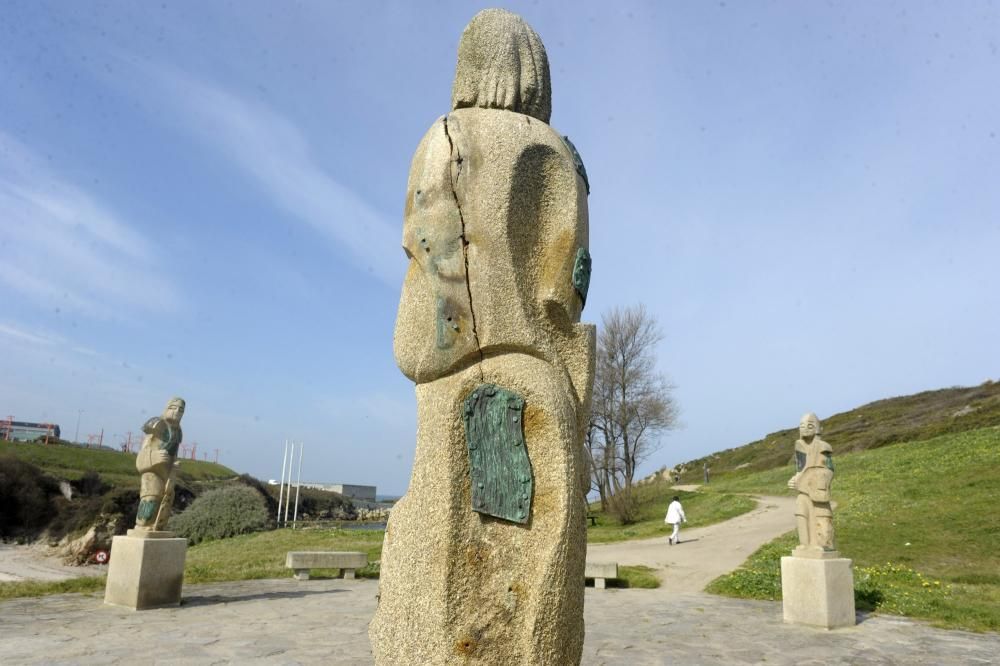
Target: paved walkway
(325, 621)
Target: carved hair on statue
(502, 65)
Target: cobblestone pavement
(325, 621)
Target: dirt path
(706, 552)
(19, 563)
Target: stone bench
(302, 561)
(600, 572)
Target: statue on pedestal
(155, 463)
(147, 563)
(813, 477)
(817, 584)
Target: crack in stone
(457, 157)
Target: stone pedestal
(146, 571)
(817, 589)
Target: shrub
(623, 505)
(260, 487)
(221, 513)
(124, 501)
(25, 498)
(90, 484)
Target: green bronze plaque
(578, 163)
(498, 457)
(581, 274)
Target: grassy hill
(70, 462)
(880, 423)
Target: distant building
(362, 493)
(22, 431)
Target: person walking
(675, 516)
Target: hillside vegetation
(904, 419)
(101, 499)
(919, 520)
(70, 462)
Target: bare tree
(632, 406)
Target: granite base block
(145, 572)
(818, 592)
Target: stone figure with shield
(817, 584)
(813, 478)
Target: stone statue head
(809, 426)
(502, 65)
(174, 410)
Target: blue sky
(205, 199)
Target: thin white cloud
(33, 337)
(36, 338)
(274, 152)
(64, 249)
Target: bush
(260, 487)
(221, 513)
(25, 498)
(90, 484)
(623, 506)
(124, 501)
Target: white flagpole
(298, 487)
(288, 496)
(281, 492)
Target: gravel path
(704, 553)
(19, 563)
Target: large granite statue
(156, 464)
(814, 474)
(483, 560)
(147, 563)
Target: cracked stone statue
(483, 558)
(814, 474)
(155, 463)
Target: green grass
(700, 508)
(919, 520)
(247, 557)
(262, 555)
(636, 577)
(33, 588)
(66, 461)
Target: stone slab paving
(325, 621)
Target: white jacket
(675, 513)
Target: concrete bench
(302, 561)
(600, 572)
